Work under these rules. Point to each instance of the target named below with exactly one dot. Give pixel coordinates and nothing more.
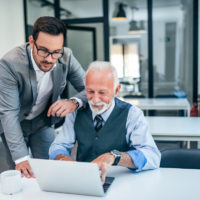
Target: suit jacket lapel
(57, 76)
(32, 74)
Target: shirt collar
(36, 68)
(107, 113)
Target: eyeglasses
(45, 53)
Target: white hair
(101, 66)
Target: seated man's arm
(143, 150)
(61, 147)
(64, 157)
(105, 161)
(143, 153)
(126, 161)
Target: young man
(32, 78)
(108, 131)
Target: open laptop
(69, 177)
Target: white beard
(96, 111)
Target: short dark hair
(49, 25)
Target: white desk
(160, 184)
(160, 103)
(175, 128)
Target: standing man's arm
(76, 77)
(9, 116)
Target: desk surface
(160, 184)
(175, 128)
(160, 103)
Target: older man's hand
(25, 169)
(61, 108)
(104, 161)
(64, 157)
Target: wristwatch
(76, 102)
(117, 155)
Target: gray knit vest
(111, 136)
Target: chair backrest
(181, 158)
(133, 96)
(166, 96)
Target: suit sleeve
(76, 76)
(9, 112)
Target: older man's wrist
(60, 157)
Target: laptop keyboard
(107, 183)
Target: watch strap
(75, 102)
(117, 159)
(117, 155)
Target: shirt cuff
(138, 159)
(58, 152)
(79, 101)
(21, 159)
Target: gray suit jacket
(18, 92)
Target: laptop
(81, 178)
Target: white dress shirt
(44, 89)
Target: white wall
(12, 25)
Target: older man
(108, 131)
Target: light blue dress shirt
(146, 154)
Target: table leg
(188, 111)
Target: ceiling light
(119, 12)
(134, 28)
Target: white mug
(11, 182)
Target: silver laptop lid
(68, 177)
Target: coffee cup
(11, 182)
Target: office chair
(181, 158)
(160, 96)
(133, 96)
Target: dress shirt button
(96, 138)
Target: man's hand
(63, 157)
(61, 108)
(104, 161)
(25, 169)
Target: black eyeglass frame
(47, 53)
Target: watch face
(116, 152)
(76, 102)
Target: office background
(160, 60)
(155, 48)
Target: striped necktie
(99, 122)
